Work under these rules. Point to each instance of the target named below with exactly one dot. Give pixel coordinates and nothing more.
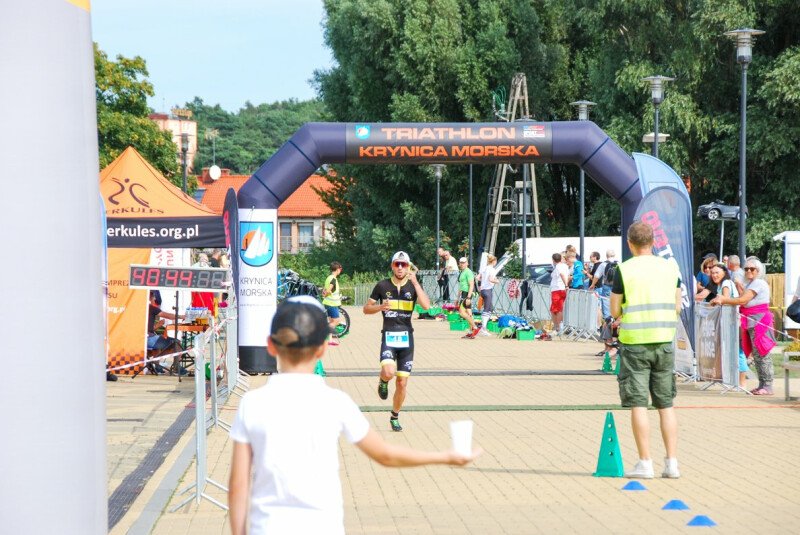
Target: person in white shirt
(559, 279)
(285, 469)
(487, 278)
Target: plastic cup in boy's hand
(461, 434)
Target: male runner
(395, 298)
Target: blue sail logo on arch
(257, 243)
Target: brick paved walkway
(540, 425)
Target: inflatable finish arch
(579, 142)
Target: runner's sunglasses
(400, 264)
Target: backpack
(609, 273)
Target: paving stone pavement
(540, 433)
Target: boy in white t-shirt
(286, 436)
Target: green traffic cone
(616, 366)
(319, 370)
(607, 363)
(609, 461)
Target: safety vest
(648, 314)
(334, 299)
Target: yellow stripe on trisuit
(401, 305)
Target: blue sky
(225, 51)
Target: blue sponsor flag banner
(669, 212)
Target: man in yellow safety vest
(645, 302)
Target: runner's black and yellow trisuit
(397, 335)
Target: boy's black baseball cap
(300, 322)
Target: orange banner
(127, 310)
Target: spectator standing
(332, 299)
(646, 301)
(285, 469)
(218, 259)
(559, 279)
(466, 287)
(705, 268)
(603, 281)
(576, 271)
(756, 321)
(448, 267)
(591, 269)
(736, 272)
(487, 278)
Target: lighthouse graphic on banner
(258, 238)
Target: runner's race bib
(397, 339)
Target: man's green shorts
(647, 370)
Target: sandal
(762, 392)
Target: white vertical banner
(258, 274)
(53, 475)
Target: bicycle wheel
(344, 324)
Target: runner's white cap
(401, 256)
(462, 260)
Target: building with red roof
(303, 218)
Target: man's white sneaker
(671, 469)
(641, 470)
(484, 332)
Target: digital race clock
(180, 278)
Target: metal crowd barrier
(716, 345)
(511, 296)
(218, 347)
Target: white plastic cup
(461, 434)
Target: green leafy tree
(122, 89)
(438, 60)
(246, 139)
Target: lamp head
(657, 87)
(744, 43)
(184, 142)
(583, 108)
(437, 169)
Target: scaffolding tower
(504, 206)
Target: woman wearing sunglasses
(756, 334)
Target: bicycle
(290, 284)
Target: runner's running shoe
(395, 423)
(383, 390)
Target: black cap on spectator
(300, 322)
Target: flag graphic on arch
(257, 242)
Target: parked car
(539, 273)
(717, 209)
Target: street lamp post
(583, 115)
(744, 55)
(657, 96)
(184, 150)
(437, 169)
